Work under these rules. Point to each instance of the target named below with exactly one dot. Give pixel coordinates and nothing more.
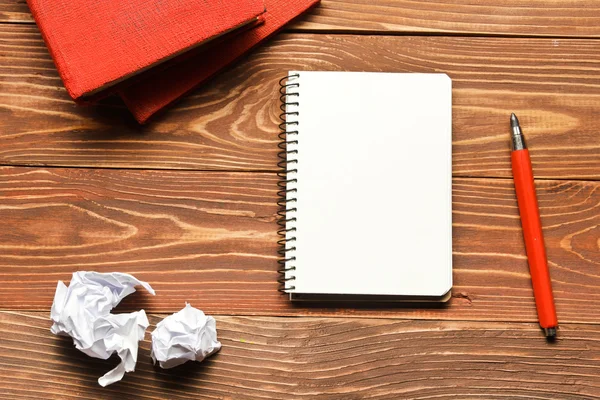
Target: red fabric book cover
(98, 43)
(156, 90)
(116, 88)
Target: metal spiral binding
(287, 188)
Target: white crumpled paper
(183, 336)
(82, 311)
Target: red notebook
(156, 90)
(99, 43)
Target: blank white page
(374, 184)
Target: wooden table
(187, 203)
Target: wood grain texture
(210, 238)
(511, 17)
(15, 11)
(231, 124)
(283, 358)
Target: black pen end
(514, 121)
(550, 334)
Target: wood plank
(15, 11)
(231, 124)
(482, 17)
(210, 238)
(283, 358)
(511, 17)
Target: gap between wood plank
(333, 316)
(366, 32)
(257, 171)
(349, 32)
(241, 171)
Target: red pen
(532, 231)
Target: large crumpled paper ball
(82, 310)
(184, 336)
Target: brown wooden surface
(232, 123)
(187, 203)
(459, 17)
(14, 11)
(210, 238)
(339, 358)
(510, 17)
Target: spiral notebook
(366, 186)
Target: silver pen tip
(518, 141)
(514, 122)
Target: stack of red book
(152, 52)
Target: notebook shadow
(366, 305)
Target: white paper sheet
(82, 311)
(371, 195)
(183, 336)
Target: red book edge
(156, 91)
(147, 74)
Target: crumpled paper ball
(184, 336)
(82, 311)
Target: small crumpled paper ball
(183, 336)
